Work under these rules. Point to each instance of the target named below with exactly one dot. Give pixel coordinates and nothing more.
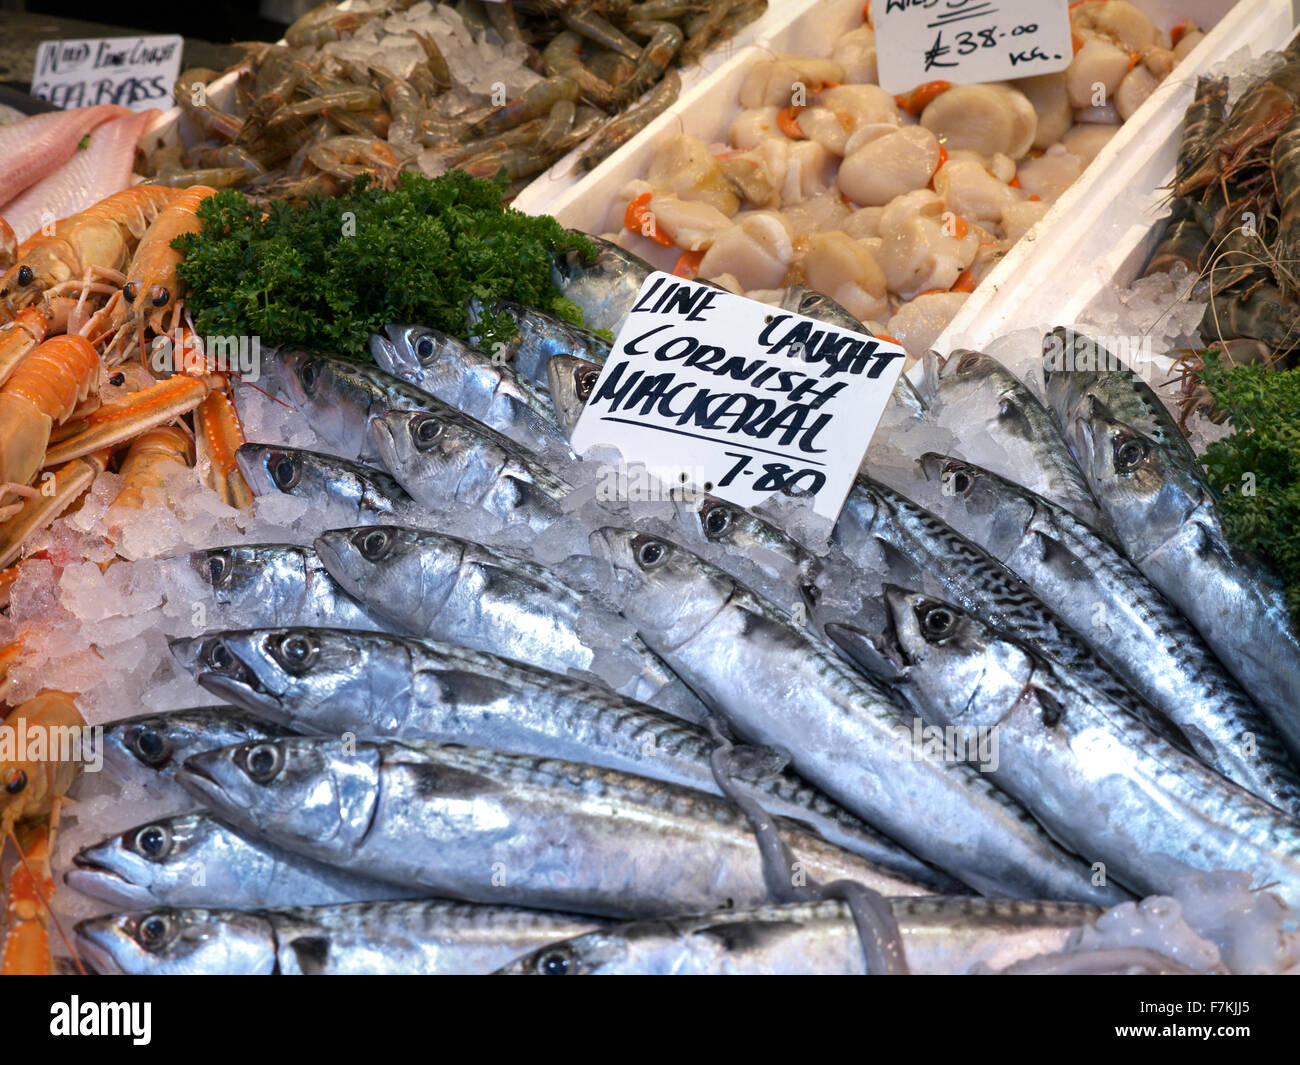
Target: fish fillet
(37, 146)
(99, 170)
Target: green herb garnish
(330, 273)
(84, 143)
(1257, 468)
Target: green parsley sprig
(328, 274)
(1264, 407)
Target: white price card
(965, 41)
(726, 395)
(134, 72)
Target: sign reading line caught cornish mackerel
(726, 395)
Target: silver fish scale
(981, 584)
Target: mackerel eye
(261, 761)
(717, 520)
(285, 472)
(309, 375)
(220, 567)
(218, 657)
(424, 349)
(968, 362)
(650, 553)
(296, 652)
(17, 782)
(161, 297)
(961, 481)
(26, 275)
(556, 963)
(425, 432)
(373, 544)
(1130, 454)
(132, 288)
(152, 842)
(937, 621)
(156, 930)
(149, 746)
(586, 382)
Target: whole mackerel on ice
(1168, 524)
(941, 936)
(195, 860)
(358, 494)
(1130, 624)
(779, 686)
(426, 937)
(279, 584)
(1095, 777)
(505, 828)
(380, 687)
(444, 588)
(472, 382)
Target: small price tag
(726, 395)
(965, 41)
(134, 72)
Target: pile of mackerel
(500, 722)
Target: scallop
(860, 104)
(864, 222)
(1120, 21)
(845, 270)
(1160, 61)
(1051, 173)
(809, 171)
(750, 128)
(889, 166)
(822, 125)
(1019, 217)
(856, 53)
(817, 214)
(1052, 105)
(1094, 74)
(972, 192)
(690, 224)
(684, 167)
(1138, 84)
(866, 133)
(917, 325)
(756, 251)
(917, 254)
(1088, 138)
(983, 118)
(1186, 43)
(787, 81)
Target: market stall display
(305, 446)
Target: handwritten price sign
(721, 394)
(965, 41)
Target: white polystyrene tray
(1096, 234)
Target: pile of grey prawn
(475, 717)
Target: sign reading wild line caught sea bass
(723, 394)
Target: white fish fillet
(35, 147)
(102, 168)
